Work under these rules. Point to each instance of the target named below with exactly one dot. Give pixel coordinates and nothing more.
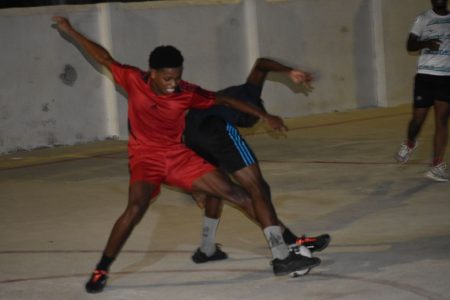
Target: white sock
(208, 245)
(274, 238)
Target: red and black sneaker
(97, 282)
(313, 243)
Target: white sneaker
(437, 173)
(405, 152)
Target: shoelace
(303, 239)
(98, 274)
(405, 149)
(440, 169)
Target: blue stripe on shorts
(242, 148)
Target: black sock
(105, 263)
(289, 237)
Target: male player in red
(157, 103)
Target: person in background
(430, 34)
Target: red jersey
(157, 120)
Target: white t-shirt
(430, 25)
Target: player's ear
(153, 73)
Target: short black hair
(165, 57)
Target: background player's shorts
(220, 143)
(428, 88)
(176, 165)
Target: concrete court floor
(332, 173)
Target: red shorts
(174, 165)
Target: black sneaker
(199, 257)
(313, 243)
(97, 281)
(292, 263)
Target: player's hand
(433, 44)
(62, 24)
(299, 77)
(276, 123)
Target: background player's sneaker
(437, 173)
(293, 263)
(200, 257)
(404, 153)
(97, 281)
(313, 243)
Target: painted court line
(52, 277)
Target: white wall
(397, 19)
(355, 48)
(318, 35)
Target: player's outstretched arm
(94, 50)
(274, 122)
(263, 66)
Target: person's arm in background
(274, 122)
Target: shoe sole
(300, 271)
(208, 260)
(402, 162)
(431, 176)
(305, 272)
(94, 291)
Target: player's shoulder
(421, 20)
(126, 68)
(426, 15)
(187, 86)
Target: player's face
(165, 81)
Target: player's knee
(257, 186)
(265, 188)
(135, 213)
(238, 196)
(417, 122)
(137, 208)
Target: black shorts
(428, 88)
(220, 143)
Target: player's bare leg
(139, 198)
(284, 262)
(437, 171)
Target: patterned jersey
(157, 120)
(430, 25)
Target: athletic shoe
(313, 243)
(437, 173)
(200, 257)
(405, 152)
(294, 263)
(97, 281)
